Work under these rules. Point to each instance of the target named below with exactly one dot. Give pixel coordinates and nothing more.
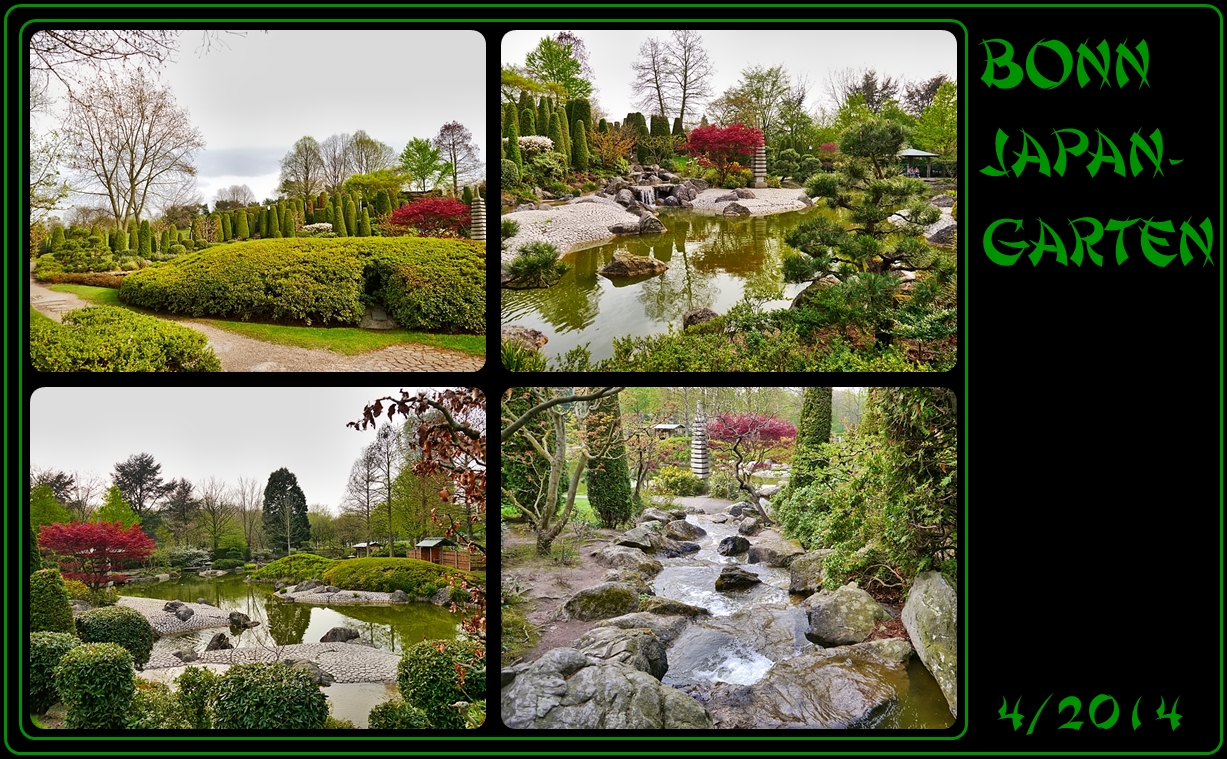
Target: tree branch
(517, 424)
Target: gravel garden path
(243, 354)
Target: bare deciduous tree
(362, 493)
(456, 144)
(218, 508)
(338, 162)
(302, 169)
(652, 84)
(367, 154)
(691, 72)
(129, 143)
(234, 196)
(249, 500)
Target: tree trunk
(546, 533)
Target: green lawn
(348, 341)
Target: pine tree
(466, 197)
(364, 224)
(813, 431)
(290, 228)
(513, 145)
(243, 231)
(134, 234)
(57, 238)
(164, 246)
(542, 118)
(528, 122)
(285, 511)
(338, 217)
(579, 141)
(556, 135)
(351, 216)
(145, 241)
(677, 127)
(602, 126)
(274, 223)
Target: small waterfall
(647, 196)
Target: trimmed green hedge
(49, 607)
(93, 279)
(297, 568)
(430, 679)
(46, 650)
(267, 696)
(111, 339)
(416, 578)
(96, 682)
(425, 283)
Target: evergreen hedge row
(425, 283)
(110, 339)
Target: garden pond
(391, 627)
(714, 262)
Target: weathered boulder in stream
(637, 647)
(843, 616)
(931, 618)
(733, 545)
(657, 605)
(805, 571)
(653, 515)
(566, 689)
(609, 599)
(830, 688)
(648, 538)
(680, 529)
(734, 578)
(774, 553)
(622, 557)
(666, 628)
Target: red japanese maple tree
(722, 148)
(91, 551)
(749, 436)
(430, 217)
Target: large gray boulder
(622, 557)
(774, 553)
(680, 529)
(742, 507)
(651, 225)
(624, 197)
(306, 585)
(184, 613)
(566, 689)
(531, 339)
(735, 209)
(931, 618)
(645, 537)
(843, 616)
(766, 491)
(667, 606)
(609, 599)
(750, 526)
(664, 627)
(805, 571)
(654, 515)
(627, 265)
(635, 580)
(634, 646)
(318, 676)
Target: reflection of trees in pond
(287, 622)
(573, 303)
(667, 297)
(399, 626)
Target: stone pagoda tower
(699, 463)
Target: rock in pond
(627, 265)
(666, 628)
(514, 333)
(843, 616)
(931, 618)
(774, 553)
(219, 642)
(622, 557)
(668, 606)
(698, 316)
(733, 545)
(340, 635)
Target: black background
(1092, 398)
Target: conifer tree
(513, 145)
(542, 118)
(528, 122)
(134, 234)
(556, 135)
(609, 482)
(364, 224)
(164, 246)
(145, 241)
(466, 196)
(57, 238)
(274, 223)
(383, 204)
(338, 217)
(243, 231)
(351, 216)
(227, 230)
(579, 141)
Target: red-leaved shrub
(430, 217)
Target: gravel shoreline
(346, 662)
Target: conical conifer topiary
(579, 144)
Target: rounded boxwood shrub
(196, 686)
(429, 676)
(95, 682)
(121, 625)
(49, 607)
(267, 696)
(46, 650)
(417, 578)
(509, 173)
(397, 715)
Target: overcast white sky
(196, 433)
(910, 54)
(255, 97)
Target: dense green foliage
(93, 279)
(609, 486)
(579, 147)
(722, 484)
(285, 511)
(95, 682)
(417, 578)
(196, 686)
(434, 674)
(267, 696)
(397, 715)
(535, 265)
(49, 607)
(297, 568)
(892, 488)
(517, 357)
(45, 509)
(46, 650)
(121, 625)
(510, 172)
(813, 433)
(524, 470)
(110, 339)
(155, 707)
(674, 480)
(425, 283)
